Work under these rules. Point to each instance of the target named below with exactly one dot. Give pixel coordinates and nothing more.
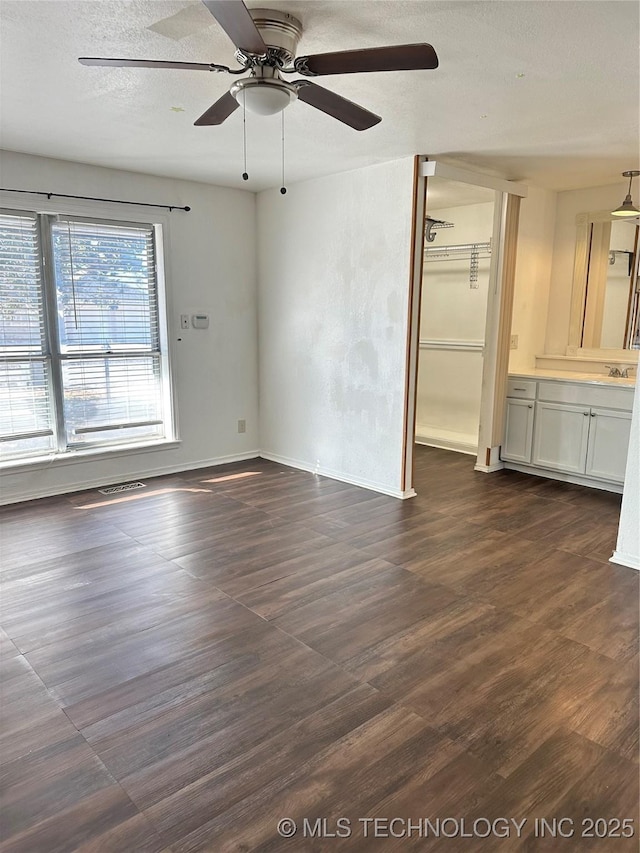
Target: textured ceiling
(545, 92)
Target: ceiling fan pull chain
(245, 174)
(283, 189)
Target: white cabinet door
(608, 444)
(518, 436)
(560, 437)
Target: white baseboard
(448, 444)
(628, 560)
(565, 478)
(338, 475)
(96, 482)
(446, 440)
(488, 469)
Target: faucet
(615, 371)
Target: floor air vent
(123, 487)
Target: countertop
(574, 376)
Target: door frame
(499, 310)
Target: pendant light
(627, 208)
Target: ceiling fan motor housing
(265, 92)
(281, 32)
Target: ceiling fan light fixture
(265, 97)
(266, 42)
(627, 208)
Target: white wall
(211, 269)
(334, 263)
(532, 277)
(627, 551)
(450, 382)
(570, 204)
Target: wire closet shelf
(473, 252)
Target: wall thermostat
(200, 321)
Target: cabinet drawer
(523, 388)
(586, 395)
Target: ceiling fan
(266, 42)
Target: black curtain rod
(168, 207)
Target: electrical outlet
(184, 321)
(242, 426)
(514, 342)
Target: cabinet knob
(586, 414)
(593, 414)
(530, 406)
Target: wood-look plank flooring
(184, 665)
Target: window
(81, 356)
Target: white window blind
(26, 410)
(81, 360)
(108, 331)
(106, 287)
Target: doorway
(455, 286)
(480, 333)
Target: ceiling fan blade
(234, 18)
(219, 111)
(335, 105)
(149, 63)
(399, 57)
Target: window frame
(63, 452)
(43, 356)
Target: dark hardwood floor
(185, 665)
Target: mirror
(615, 328)
(605, 309)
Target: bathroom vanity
(569, 427)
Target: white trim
(337, 475)
(593, 354)
(459, 445)
(443, 444)
(72, 457)
(464, 346)
(143, 474)
(491, 335)
(435, 168)
(489, 469)
(94, 482)
(595, 366)
(577, 479)
(408, 493)
(413, 328)
(628, 560)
